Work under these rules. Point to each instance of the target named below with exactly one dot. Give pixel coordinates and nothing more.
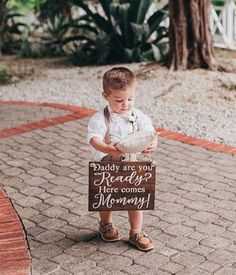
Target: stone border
(212, 146)
(14, 254)
(78, 113)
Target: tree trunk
(190, 36)
(2, 23)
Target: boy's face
(121, 101)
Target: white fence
(223, 25)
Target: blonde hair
(117, 78)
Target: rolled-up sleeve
(96, 127)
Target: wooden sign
(121, 185)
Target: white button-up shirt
(119, 127)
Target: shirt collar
(127, 115)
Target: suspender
(107, 138)
(133, 120)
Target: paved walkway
(43, 169)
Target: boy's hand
(112, 150)
(152, 148)
(109, 149)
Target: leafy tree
(23, 5)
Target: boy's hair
(117, 78)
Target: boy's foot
(141, 241)
(108, 232)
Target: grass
(229, 85)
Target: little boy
(105, 129)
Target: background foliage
(120, 31)
(87, 31)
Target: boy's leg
(107, 230)
(136, 221)
(137, 236)
(106, 216)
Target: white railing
(223, 25)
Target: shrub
(120, 32)
(11, 28)
(45, 39)
(55, 21)
(3, 76)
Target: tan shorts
(110, 158)
(125, 157)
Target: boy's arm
(101, 146)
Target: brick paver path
(45, 173)
(24, 114)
